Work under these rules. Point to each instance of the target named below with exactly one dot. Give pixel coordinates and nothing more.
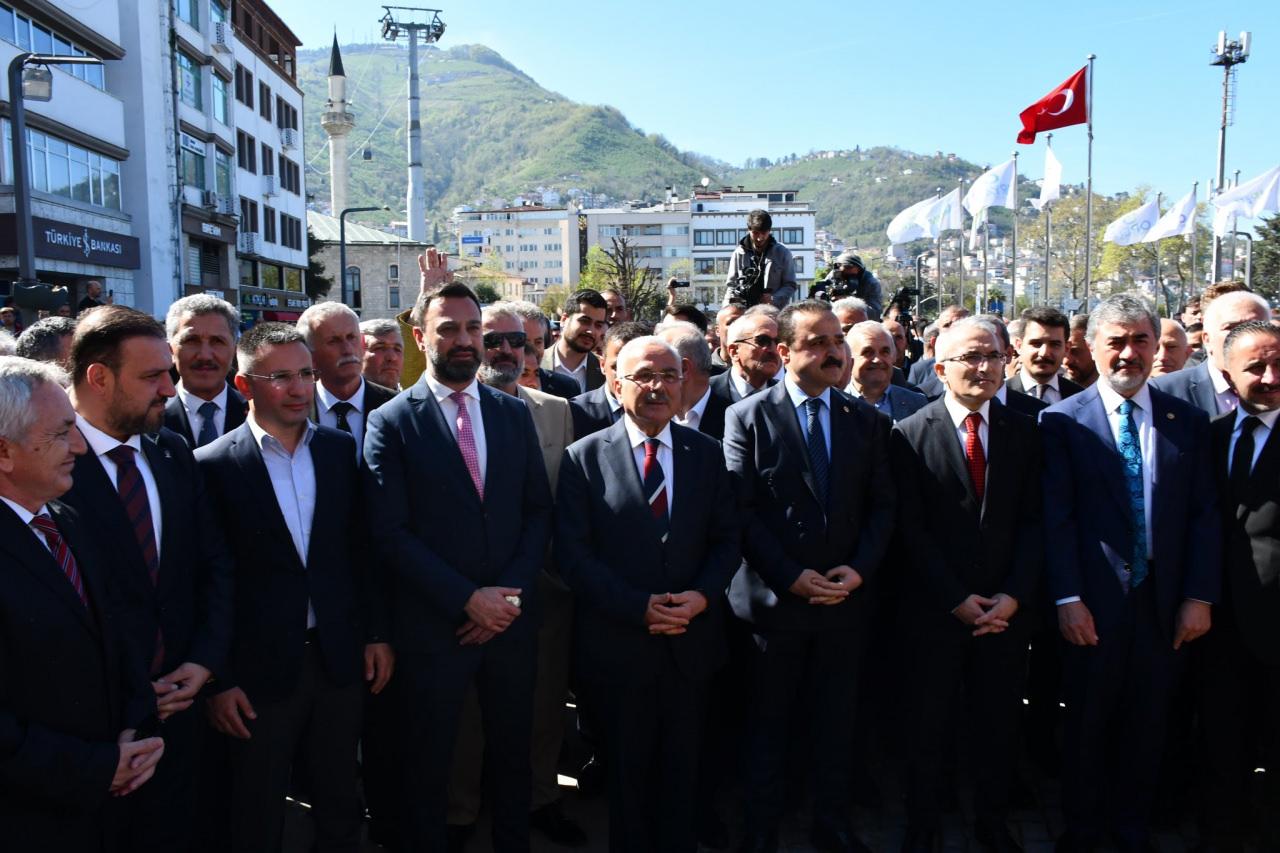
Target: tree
(598, 273)
(487, 293)
(638, 284)
(315, 282)
(1266, 258)
(553, 300)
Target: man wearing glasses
(308, 627)
(753, 358)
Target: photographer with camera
(850, 277)
(761, 269)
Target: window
(704, 237)
(290, 176)
(722, 266)
(268, 224)
(286, 116)
(792, 235)
(246, 152)
(248, 273)
(264, 101)
(268, 160)
(192, 162)
(244, 86)
(221, 105)
(799, 266)
(353, 285)
(189, 81)
(67, 170)
(726, 237)
(222, 173)
(41, 39)
(217, 12)
(675, 230)
(270, 276)
(610, 230)
(293, 279)
(393, 297)
(248, 216)
(189, 11)
(290, 232)
(704, 266)
(393, 272)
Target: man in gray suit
(1206, 386)
(872, 372)
(753, 353)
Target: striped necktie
(45, 526)
(655, 487)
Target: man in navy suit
(650, 617)
(202, 332)
(812, 471)
(301, 639)
(68, 699)
(871, 372)
(1132, 539)
(1041, 346)
(598, 409)
(140, 484)
(461, 510)
(1205, 386)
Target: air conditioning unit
(269, 185)
(222, 37)
(212, 200)
(226, 206)
(247, 244)
(288, 138)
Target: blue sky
(752, 79)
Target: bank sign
(65, 242)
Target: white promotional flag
(948, 213)
(1253, 198)
(1178, 221)
(912, 223)
(973, 230)
(1051, 186)
(1133, 226)
(993, 188)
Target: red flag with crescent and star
(1064, 106)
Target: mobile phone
(680, 283)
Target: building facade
(382, 268)
(718, 221)
(538, 244)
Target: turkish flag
(1064, 106)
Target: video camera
(747, 286)
(903, 299)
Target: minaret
(337, 122)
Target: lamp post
(1227, 53)
(342, 244)
(29, 77)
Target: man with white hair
(383, 352)
(344, 398)
(871, 377)
(650, 630)
(699, 408)
(1206, 387)
(202, 332)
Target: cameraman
(759, 249)
(850, 277)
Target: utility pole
(1228, 54)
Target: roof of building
(326, 230)
(335, 60)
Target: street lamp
(1227, 53)
(342, 244)
(30, 77)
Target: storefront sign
(66, 242)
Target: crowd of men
(365, 565)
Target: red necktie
(45, 526)
(137, 506)
(655, 487)
(973, 453)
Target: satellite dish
(705, 182)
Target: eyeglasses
(649, 377)
(979, 360)
(516, 340)
(284, 378)
(761, 341)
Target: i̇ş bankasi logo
(83, 242)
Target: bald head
(1224, 314)
(1173, 351)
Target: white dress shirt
(325, 401)
(100, 444)
(958, 413)
(577, 374)
(1052, 394)
(666, 457)
(741, 385)
(1222, 392)
(693, 418)
(293, 479)
(450, 411)
(799, 399)
(1260, 434)
(25, 516)
(192, 404)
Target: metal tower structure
(1227, 53)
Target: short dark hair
(265, 335)
(1244, 330)
(786, 317)
(1048, 317)
(627, 332)
(1195, 327)
(691, 313)
(453, 290)
(1194, 301)
(100, 332)
(40, 341)
(586, 296)
(759, 220)
(1079, 322)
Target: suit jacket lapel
(160, 461)
(259, 490)
(998, 470)
(19, 541)
(1093, 415)
(325, 467)
(845, 441)
(944, 432)
(622, 462)
(1164, 454)
(495, 435)
(179, 412)
(426, 402)
(237, 408)
(685, 478)
(789, 425)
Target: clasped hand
(488, 615)
(986, 615)
(831, 588)
(671, 612)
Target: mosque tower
(337, 122)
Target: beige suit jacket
(554, 424)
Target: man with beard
(1133, 564)
(1173, 352)
(871, 376)
(504, 345)
(650, 628)
(582, 327)
(1078, 363)
(758, 249)
(618, 312)
(202, 333)
(1041, 346)
(753, 357)
(383, 352)
(812, 470)
(537, 331)
(461, 512)
(140, 484)
(343, 398)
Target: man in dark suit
(202, 333)
(598, 409)
(1078, 364)
(582, 327)
(1239, 666)
(753, 357)
(1041, 347)
(1132, 539)
(343, 398)
(870, 375)
(812, 471)
(697, 407)
(461, 510)
(971, 472)
(301, 639)
(1205, 386)
(1014, 401)
(171, 569)
(68, 697)
(649, 630)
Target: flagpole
(986, 267)
(1013, 298)
(1048, 230)
(1195, 193)
(1088, 190)
(960, 242)
(938, 249)
(1159, 282)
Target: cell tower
(411, 21)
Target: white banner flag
(1178, 221)
(993, 188)
(1254, 198)
(913, 223)
(1051, 186)
(948, 213)
(1133, 226)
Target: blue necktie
(1131, 450)
(817, 448)
(208, 429)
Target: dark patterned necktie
(1242, 458)
(45, 526)
(655, 487)
(974, 454)
(1131, 449)
(817, 443)
(137, 507)
(208, 429)
(340, 411)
